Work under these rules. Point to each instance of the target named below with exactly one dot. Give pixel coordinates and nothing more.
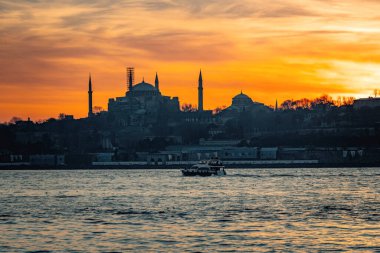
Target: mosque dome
(143, 86)
(241, 100)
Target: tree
(218, 109)
(14, 119)
(61, 116)
(303, 103)
(98, 109)
(188, 108)
(348, 100)
(343, 101)
(287, 105)
(324, 99)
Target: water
(160, 211)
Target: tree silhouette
(188, 108)
(14, 120)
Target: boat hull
(203, 173)
(213, 167)
(189, 173)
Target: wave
(243, 175)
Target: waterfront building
(199, 152)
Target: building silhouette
(367, 103)
(241, 103)
(200, 92)
(90, 112)
(156, 82)
(142, 105)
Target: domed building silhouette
(142, 105)
(241, 103)
(144, 89)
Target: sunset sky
(269, 49)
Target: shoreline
(174, 167)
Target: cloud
(241, 9)
(274, 46)
(179, 46)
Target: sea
(249, 210)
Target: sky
(267, 49)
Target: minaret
(276, 108)
(90, 113)
(200, 92)
(156, 83)
(130, 78)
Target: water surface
(160, 211)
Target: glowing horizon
(277, 50)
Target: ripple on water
(39, 251)
(152, 211)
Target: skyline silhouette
(289, 103)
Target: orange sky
(269, 49)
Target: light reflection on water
(159, 210)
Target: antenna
(130, 77)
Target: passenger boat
(206, 168)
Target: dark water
(312, 210)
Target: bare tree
(339, 101)
(348, 100)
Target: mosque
(241, 103)
(142, 104)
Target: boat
(206, 168)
